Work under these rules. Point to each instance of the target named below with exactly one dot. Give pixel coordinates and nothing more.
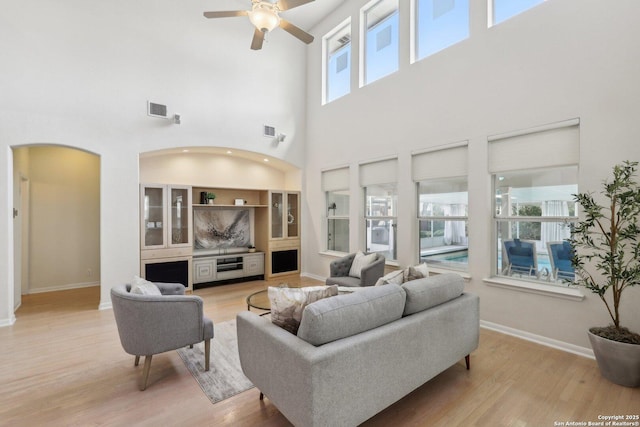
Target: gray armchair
(150, 325)
(369, 275)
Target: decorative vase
(619, 362)
(211, 201)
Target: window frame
(364, 32)
(491, 12)
(391, 219)
(334, 217)
(443, 218)
(344, 26)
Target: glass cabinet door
(292, 215)
(179, 199)
(153, 220)
(277, 230)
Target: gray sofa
(369, 275)
(357, 353)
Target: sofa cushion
(141, 286)
(287, 304)
(431, 291)
(349, 314)
(359, 262)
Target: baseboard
(313, 276)
(105, 306)
(8, 322)
(538, 339)
(63, 287)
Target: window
(338, 221)
(381, 219)
(443, 208)
(337, 62)
(534, 209)
(379, 20)
(440, 175)
(439, 24)
(535, 174)
(335, 184)
(501, 10)
(378, 180)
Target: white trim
(8, 322)
(435, 270)
(379, 159)
(313, 276)
(567, 293)
(442, 147)
(63, 287)
(538, 339)
(105, 306)
(536, 129)
(333, 168)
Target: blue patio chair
(521, 257)
(560, 255)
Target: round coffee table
(259, 300)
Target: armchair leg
(467, 361)
(207, 353)
(145, 372)
(137, 361)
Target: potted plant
(607, 262)
(211, 197)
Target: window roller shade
(335, 179)
(441, 163)
(380, 172)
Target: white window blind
(553, 145)
(380, 172)
(440, 163)
(335, 179)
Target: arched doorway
(56, 191)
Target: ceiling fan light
(264, 19)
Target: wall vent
(156, 110)
(269, 131)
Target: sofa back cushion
(431, 291)
(350, 314)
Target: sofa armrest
(370, 274)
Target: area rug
(224, 378)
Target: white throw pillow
(141, 286)
(359, 262)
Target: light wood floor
(61, 364)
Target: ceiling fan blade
(226, 14)
(258, 39)
(295, 31)
(290, 4)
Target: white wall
(79, 73)
(563, 59)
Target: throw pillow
(416, 272)
(287, 304)
(359, 262)
(141, 286)
(395, 277)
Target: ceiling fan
(264, 15)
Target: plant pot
(618, 362)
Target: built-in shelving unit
(167, 232)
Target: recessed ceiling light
(266, 160)
(185, 151)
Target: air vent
(156, 110)
(344, 39)
(269, 131)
